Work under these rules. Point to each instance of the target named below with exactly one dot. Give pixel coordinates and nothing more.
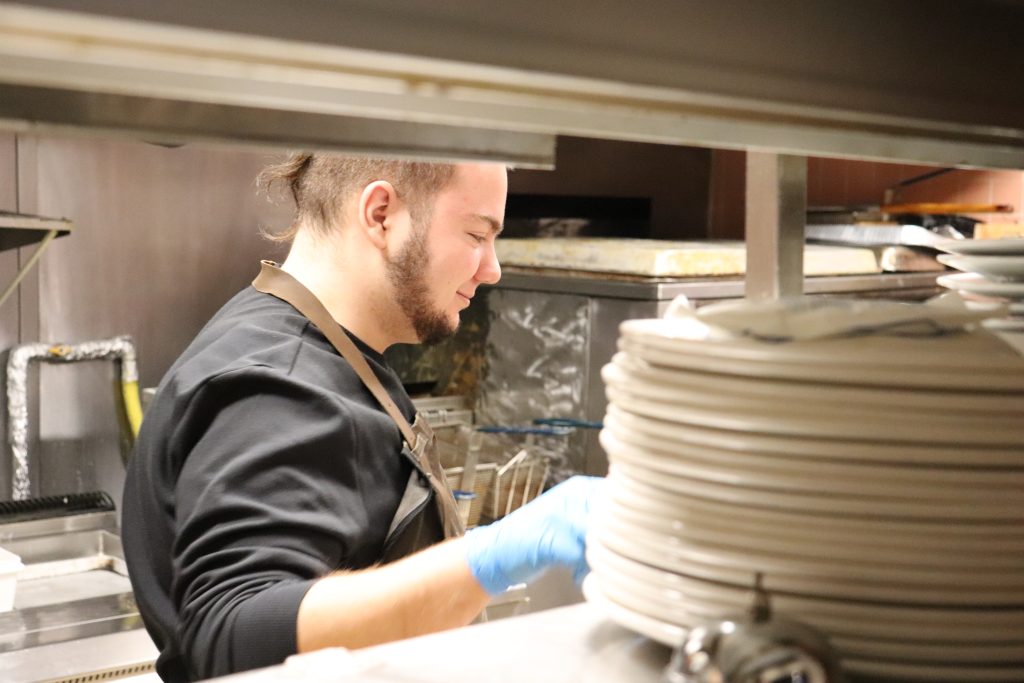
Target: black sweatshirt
(263, 464)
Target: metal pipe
(776, 215)
(119, 349)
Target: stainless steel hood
(908, 80)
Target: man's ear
(377, 203)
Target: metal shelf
(666, 289)
(20, 230)
(469, 80)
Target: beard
(407, 273)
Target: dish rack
(487, 491)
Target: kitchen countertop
(122, 653)
(569, 644)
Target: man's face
(447, 256)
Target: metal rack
(486, 491)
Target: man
(271, 488)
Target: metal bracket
(18, 230)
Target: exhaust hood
(478, 80)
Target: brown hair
(320, 184)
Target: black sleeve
(265, 505)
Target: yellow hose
(132, 406)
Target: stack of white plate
(993, 270)
(876, 483)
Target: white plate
(1012, 308)
(823, 449)
(1010, 246)
(949, 351)
(921, 586)
(663, 379)
(685, 604)
(776, 473)
(973, 283)
(805, 569)
(902, 672)
(672, 635)
(1002, 369)
(710, 409)
(832, 611)
(932, 536)
(1003, 509)
(668, 613)
(676, 458)
(1009, 268)
(663, 632)
(814, 542)
(1005, 324)
(1012, 339)
(677, 592)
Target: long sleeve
(268, 500)
(263, 464)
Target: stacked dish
(993, 270)
(875, 481)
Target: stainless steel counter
(666, 289)
(74, 615)
(573, 644)
(102, 657)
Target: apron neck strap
(274, 281)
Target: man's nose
(490, 270)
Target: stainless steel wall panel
(9, 312)
(28, 300)
(163, 238)
(28, 295)
(8, 259)
(535, 365)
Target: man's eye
(479, 238)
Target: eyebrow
(494, 223)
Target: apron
(417, 523)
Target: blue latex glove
(547, 531)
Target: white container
(10, 565)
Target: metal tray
(74, 584)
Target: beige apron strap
(426, 454)
(272, 280)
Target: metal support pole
(776, 216)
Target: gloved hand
(547, 531)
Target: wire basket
(471, 492)
(515, 484)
